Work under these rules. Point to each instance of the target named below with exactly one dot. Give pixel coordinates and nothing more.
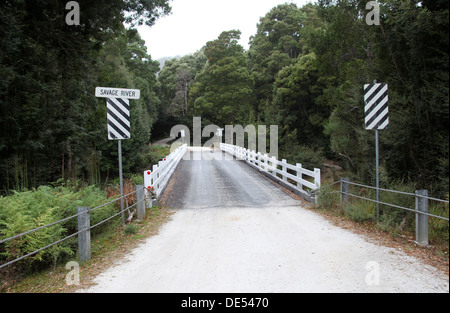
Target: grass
(106, 248)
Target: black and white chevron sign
(376, 106)
(118, 118)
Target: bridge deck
(209, 179)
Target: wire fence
(325, 188)
(420, 207)
(127, 208)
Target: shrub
(131, 229)
(310, 158)
(328, 200)
(394, 218)
(438, 228)
(361, 211)
(137, 179)
(25, 211)
(153, 155)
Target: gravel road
(234, 231)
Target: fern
(28, 210)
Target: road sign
(106, 92)
(376, 106)
(118, 115)
(118, 120)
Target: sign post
(377, 166)
(376, 108)
(119, 149)
(118, 121)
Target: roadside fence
(421, 208)
(84, 227)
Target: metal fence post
(140, 194)
(84, 237)
(344, 189)
(421, 219)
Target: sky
(195, 22)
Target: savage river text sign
(105, 92)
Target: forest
(304, 71)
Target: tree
(176, 81)
(138, 12)
(223, 90)
(343, 44)
(295, 92)
(413, 52)
(276, 44)
(409, 51)
(125, 62)
(179, 104)
(49, 117)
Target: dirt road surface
(234, 231)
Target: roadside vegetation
(394, 227)
(108, 246)
(22, 211)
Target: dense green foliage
(225, 87)
(51, 124)
(23, 211)
(305, 71)
(53, 128)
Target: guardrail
(287, 175)
(420, 209)
(156, 180)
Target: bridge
(213, 175)
(242, 224)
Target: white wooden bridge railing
(294, 177)
(298, 179)
(156, 180)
